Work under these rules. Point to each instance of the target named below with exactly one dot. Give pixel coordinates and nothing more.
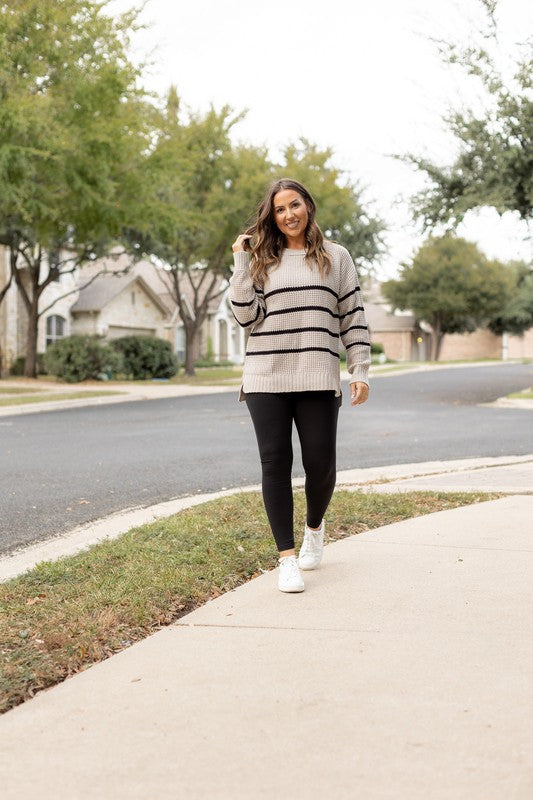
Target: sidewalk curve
(402, 671)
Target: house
(116, 303)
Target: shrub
(376, 348)
(146, 357)
(205, 362)
(19, 364)
(78, 358)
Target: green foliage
(71, 126)
(516, 316)
(74, 128)
(18, 366)
(146, 357)
(451, 285)
(494, 166)
(376, 349)
(78, 358)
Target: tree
(494, 166)
(72, 131)
(516, 315)
(198, 189)
(450, 285)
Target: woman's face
(290, 213)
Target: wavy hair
(267, 241)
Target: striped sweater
(296, 321)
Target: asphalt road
(62, 468)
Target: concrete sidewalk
(402, 671)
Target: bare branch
(162, 277)
(5, 290)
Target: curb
(125, 397)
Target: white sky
(359, 77)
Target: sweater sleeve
(353, 326)
(247, 302)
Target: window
(54, 259)
(55, 329)
(180, 344)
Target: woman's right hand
(238, 244)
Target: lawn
(23, 399)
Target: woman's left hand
(358, 392)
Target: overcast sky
(360, 77)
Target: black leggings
(315, 414)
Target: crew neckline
(291, 251)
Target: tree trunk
(30, 369)
(191, 348)
(440, 339)
(436, 343)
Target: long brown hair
(267, 241)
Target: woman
(297, 293)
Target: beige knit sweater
(296, 322)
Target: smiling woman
(291, 217)
(299, 295)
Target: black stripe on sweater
(301, 308)
(348, 313)
(248, 303)
(294, 330)
(291, 350)
(301, 289)
(357, 289)
(251, 322)
(361, 344)
(355, 328)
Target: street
(63, 468)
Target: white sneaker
(289, 579)
(312, 548)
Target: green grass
(63, 616)
(16, 390)
(526, 394)
(46, 398)
(213, 376)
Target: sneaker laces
(311, 541)
(290, 566)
